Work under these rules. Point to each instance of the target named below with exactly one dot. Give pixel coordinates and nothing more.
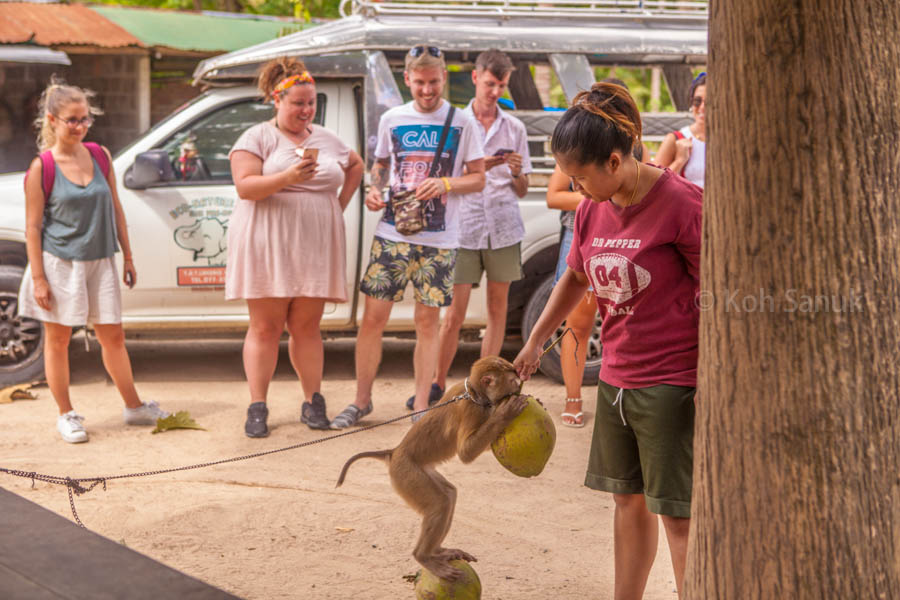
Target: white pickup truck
(178, 228)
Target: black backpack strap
(440, 146)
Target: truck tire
(550, 364)
(21, 339)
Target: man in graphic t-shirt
(408, 138)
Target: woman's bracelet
(446, 181)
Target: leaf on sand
(180, 420)
(16, 392)
(344, 529)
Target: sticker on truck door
(205, 240)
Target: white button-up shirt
(490, 218)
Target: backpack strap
(679, 136)
(99, 155)
(440, 147)
(48, 166)
(48, 173)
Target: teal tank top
(79, 221)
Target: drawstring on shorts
(620, 400)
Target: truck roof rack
(631, 10)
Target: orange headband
(293, 80)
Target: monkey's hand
(511, 409)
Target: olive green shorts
(500, 264)
(643, 444)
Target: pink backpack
(48, 166)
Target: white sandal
(573, 416)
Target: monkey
(486, 402)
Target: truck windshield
(190, 102)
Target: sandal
(350, 416)
(313, 413)
(574, 416)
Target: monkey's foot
(449, 554)
(440, 566)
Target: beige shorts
(500, 264)
(81, 292)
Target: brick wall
(113, 76)
(20, 85)
(115, 79)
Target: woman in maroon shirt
(637, 244)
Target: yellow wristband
(446, 183)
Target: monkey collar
(473, 396)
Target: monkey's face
(501, 383)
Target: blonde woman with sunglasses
(684, 151)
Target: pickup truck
(178, 227)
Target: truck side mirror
(149, 168)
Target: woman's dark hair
(698, 81)
(599, 122)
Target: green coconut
(431, 587)
(525, 445)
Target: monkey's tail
(384, 455)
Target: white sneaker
(70, 427)
(146, 414)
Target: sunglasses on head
(417, 51)
(697, 78)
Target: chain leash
(76, 486)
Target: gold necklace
(636, 182)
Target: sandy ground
(276, 527)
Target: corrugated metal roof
(193, 31)
(60, 25)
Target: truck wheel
(550, 364)
(21, 339)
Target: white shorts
(81, 292)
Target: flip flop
(574, 417)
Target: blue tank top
(79, 221)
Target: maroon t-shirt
(643, 262)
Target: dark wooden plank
(44, 556)
(15, 585)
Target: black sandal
(313, 413)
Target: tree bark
(796, 488)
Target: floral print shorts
(394, 264)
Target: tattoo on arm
(379, 176)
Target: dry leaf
(344, 529)
(180, 420)
(16, 392)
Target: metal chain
(74, 485)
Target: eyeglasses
(697, 102)
(73, 122)
(417, 51)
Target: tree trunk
(796, 489)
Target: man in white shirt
(490, 224)
(408, 140)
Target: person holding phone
(70, 237)
(428, 148)
(286, 242)
(490, 225)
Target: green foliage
(299, 9)
(180, 420)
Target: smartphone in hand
(502, 152)
(308, 152)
